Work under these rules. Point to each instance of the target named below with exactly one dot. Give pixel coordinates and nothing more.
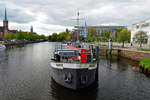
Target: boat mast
(78, 23)
(78, 14)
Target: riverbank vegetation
(145, 63)
(24, 36)
(121, 35)
(62, 36)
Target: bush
(145, 63)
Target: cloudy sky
(48, 16)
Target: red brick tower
(5, 23)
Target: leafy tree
(140, 37)
(31, 36)
(20, 35)
(68, 37)
(24, 35)
(42, 37)
(10, 36)
(62, 36)
(106, 35)
(54, 37)
(92, 32)
(49, 37)
(124, 35)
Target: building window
(137, 26)
(145, 25)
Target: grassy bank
(145, 63)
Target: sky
(49, 16)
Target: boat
(2, 46)
(73, 65)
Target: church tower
(31, 29)
(5, 23)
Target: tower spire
(31, 29)
(5, 17)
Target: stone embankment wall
(131, 54)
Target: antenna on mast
(78, 19)
(78, 22)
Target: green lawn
(145, 63)
(144, 50)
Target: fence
(126, 45)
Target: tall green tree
(10, 36)
(20, 35)
(24, 35)
(62, 36)
(140, 37)
(92, 32)
(106, 35)
(124, 35)
(42, 37)
(68, 37)
(54, 37)
(49, 37)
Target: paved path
(127, 46)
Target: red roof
(13, 31)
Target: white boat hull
(2, 46)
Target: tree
(42, 36)
(140, 37)
(10, 36)
(92, 32)
(54, 37)
(124, 35)
(68, 37)
(49, 37)
(106, 35)
(20, 35)
(62, 36)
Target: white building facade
(144, 26)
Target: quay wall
(131, 54)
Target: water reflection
(62, 93)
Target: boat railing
(73, 60)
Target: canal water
(25, 75)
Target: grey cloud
(19, 16)
(61, 12)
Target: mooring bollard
(148, 72)
(97, 59)
(140, 68)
